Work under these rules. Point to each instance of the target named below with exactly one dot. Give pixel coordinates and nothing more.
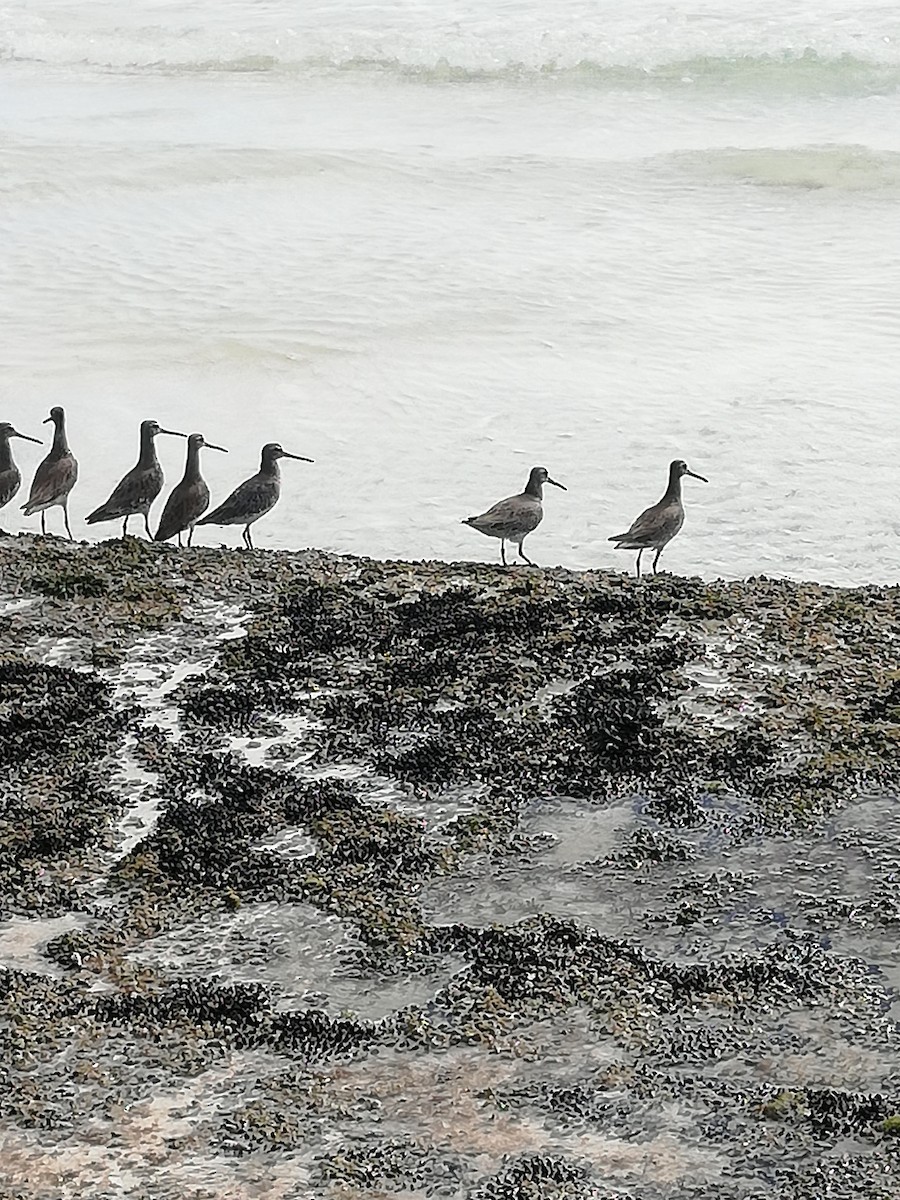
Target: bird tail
(99, 514)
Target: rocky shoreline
(327, 876)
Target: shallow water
(431, 249)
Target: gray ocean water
(432, 245)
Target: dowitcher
(189, 499)
(10, 475)
(139, 488)
(657, 525)
(512, 519)
(55, 476)
(254, 497)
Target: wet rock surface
(323, 876)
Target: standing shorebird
(189, 499)
(512, 520)
(254, 497)
(139, 488)
(657, 525)
(55, 476)
(10, 475)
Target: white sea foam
(458, 39)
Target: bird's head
(8, 431)
(272, 451)
(151, 429)
(679, 468)
(196, 440)
(540, 476)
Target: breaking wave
(806, 73)
(631, 49)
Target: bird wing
(9, 484)
(136, 491)
(53, 480)
(247, 502)
(185, 504)
(515, 515)
(655, 524)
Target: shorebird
(55, 476)
(254, 497)
(10, 475)
(139, 488)
(511, 520)
(657, 525)
(189, 499)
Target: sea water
(431, 244)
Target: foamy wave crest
(806, 74)
(502, 44)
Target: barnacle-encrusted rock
(611, 862)
(58, 731)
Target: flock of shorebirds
(512, 519)
(509, 520)
(135, 492)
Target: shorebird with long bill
(512, 519)
(10, 475)
(657, 525)
(189, 499)
(55, 476)
(135, 492)
(254, 497)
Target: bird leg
(43, 525)
(656, 559)
(65, 509)
(179, 539)
(190, 534)
(147, 525)
(638, 564)
(248, 540)
(125, 528)
(523, 556)
(503, 552)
